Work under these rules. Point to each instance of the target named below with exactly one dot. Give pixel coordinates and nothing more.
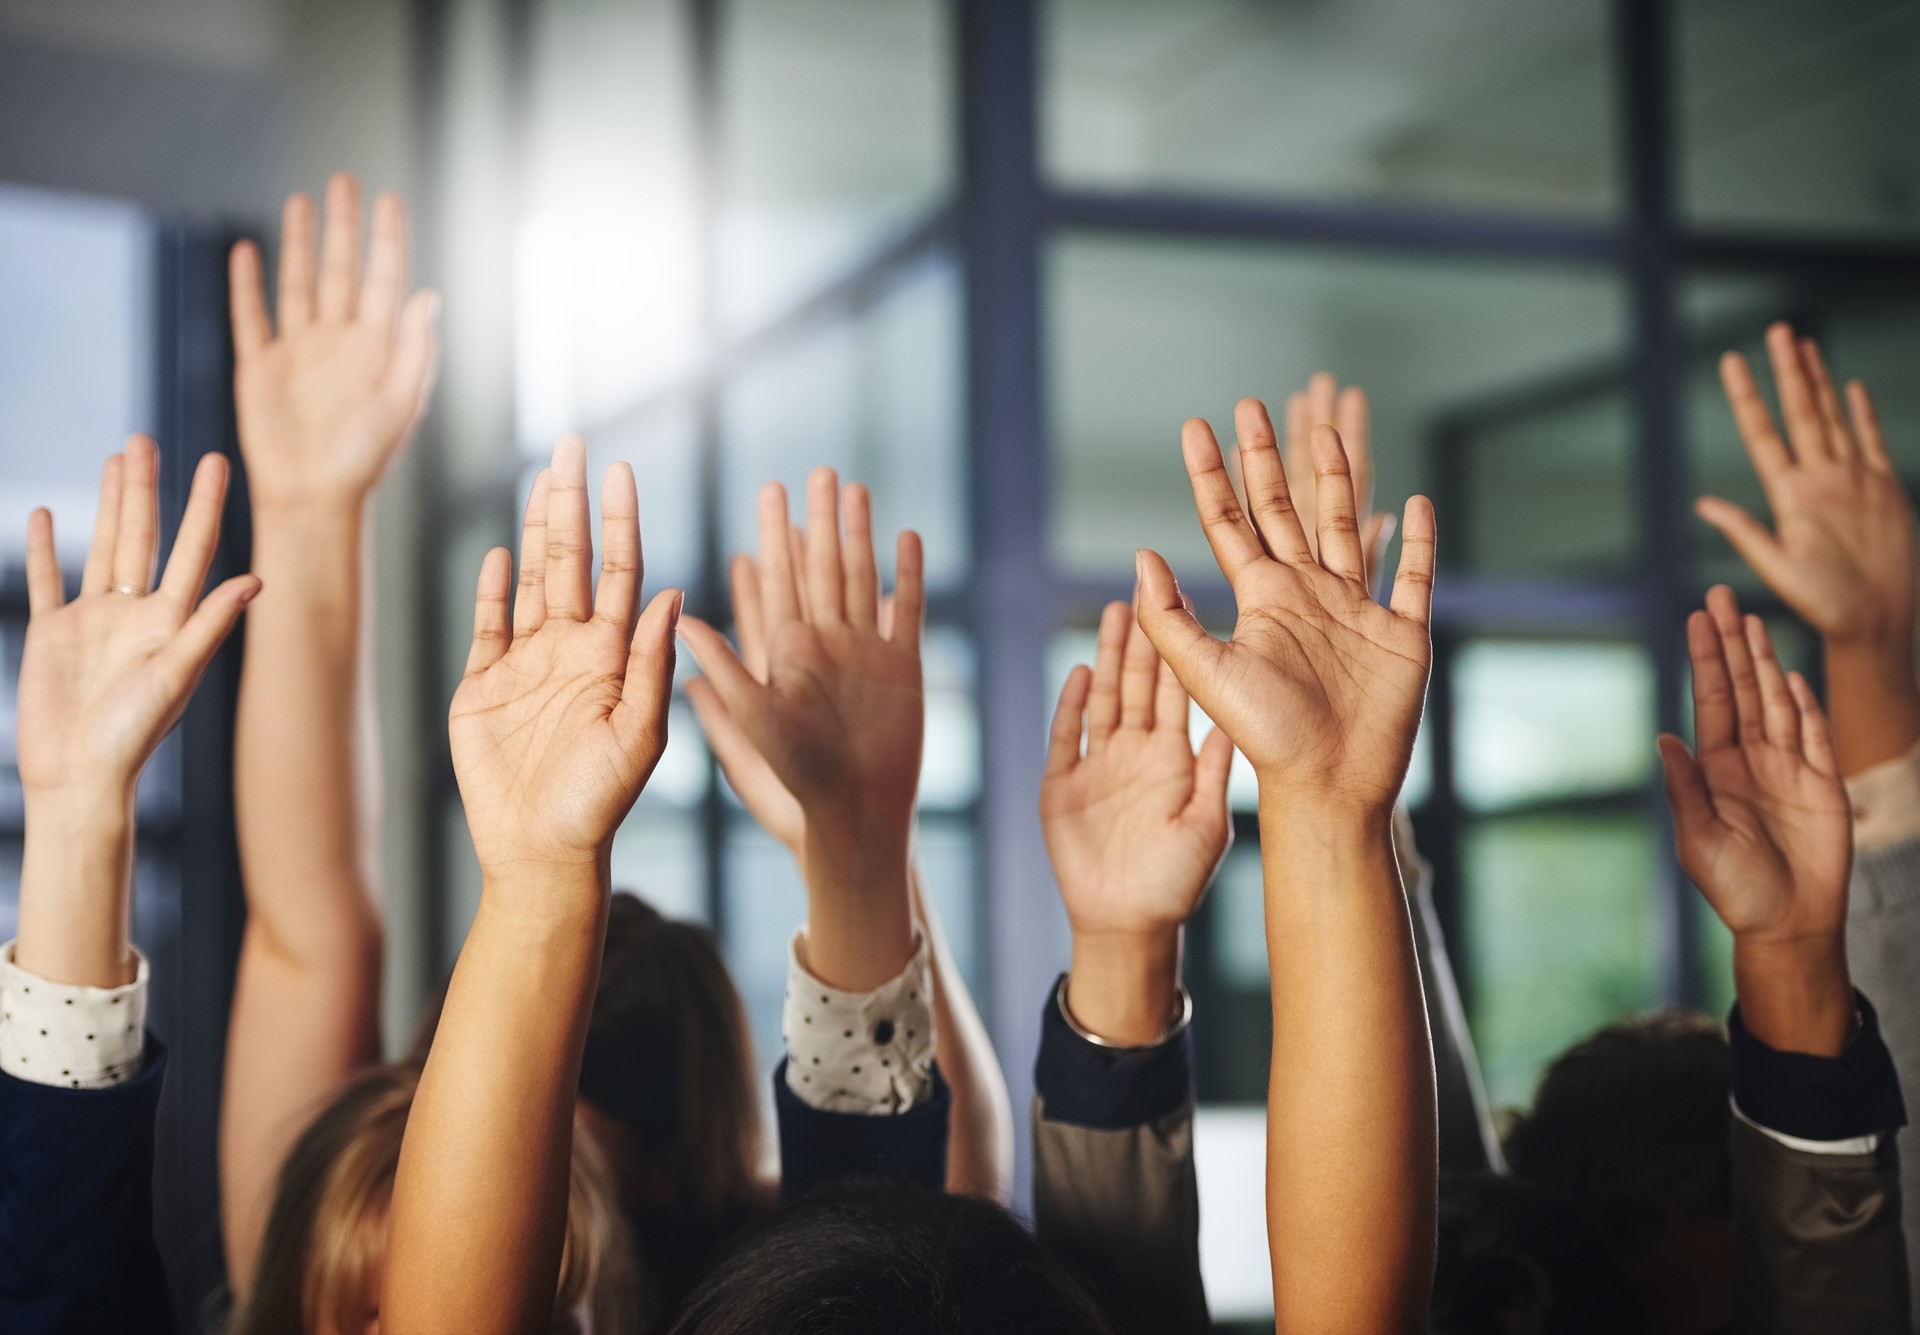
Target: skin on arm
(980, 1154)
(556, 726)
(103, 678)
(1840, 553)
(839, 718)
(1321, 689)
(1136, 825)
(1764, 829)
(325, 402)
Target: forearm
(480, 1199)
(297, 767)
(76, 883)
(859, 907)
(1796, 996)
(1873, 698)
(980, 1151)
(1350, 1114)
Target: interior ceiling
(235, 36)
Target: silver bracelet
(1182, 1017)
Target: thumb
(1755, 542)
(1694, 817)
(193, 646)
(1212, 768)
(1177, 635)
(640, 719)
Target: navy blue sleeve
(1818, 1098)
(1108, 1089)
(76, 1207)
(818, 1146)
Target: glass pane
(77, 354)
(836, 136)
(1489, 103)
(461, 880)
(1561, 936)
(605, 261)
(1146, 333)
(1797, 117)
(661, 860)
(1226, 970)
(949, 852)
(766, 902)
(876, 397)
(950, 763)
(1542, 719)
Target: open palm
(327, 402)
(1841, 554)
(1761, 815)
(561, 716)
(837, 709)
(1137, 825)
(105, 676)
(1320, 687)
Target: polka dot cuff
(74, 1036)
(860, 1052)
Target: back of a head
(879, 1258)
(322, 1255)
(1632, 1125)
(1515, 1259)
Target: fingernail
(249, 595)
(673, 617)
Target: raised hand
(1323, 402)
(104, 677)
(327, 400)
(1320, 687)
(102, 680)
(838, 713)
(1135, 827)
(1764, 828)
(562, 713)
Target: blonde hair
(326, 1236)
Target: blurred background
(985, 255)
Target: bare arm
(1321, 688)
(555, 729)
(325, 402)
(1841, 550)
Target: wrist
(1795, 995)
(547, 892)
(1122, 986)
(1320, 823)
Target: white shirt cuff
(1886, 803)
(1866, 1144)
(70, 1034)
(860, 1052)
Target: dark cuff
(1108, 1089)
(817, 1146)
(1818, 1098)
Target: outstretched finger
(530, 602)
(198, 538)
(1235, 546)
(1297, 459)
(826, 592)
(46, 591)
(1170, 704)
(1715, 716)
(909, 591)
(1753, 540)
(618, 594)
(294, 304)
(640, 719)
(1749, 719)
(1351, 416)
(1866, 426)
(340, 249)
(1797, 408)
(779, 599)
(492, 630)
(721, 665)
(408, 381)
(861, 575)
(133, 548)
(1139, 675)
(1778, 714)
(1339, 524)
(193, 646)
(1687, 795)
(247, 301)
(1177, 635)
(1838, 433)
(743, 577)
(1275, 520)
(1412, 595)
(385, 284)
(1103, 701)
(97, 577)
(1816, 732)
(1063, 740)
(1754, 419)
(569, 533)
